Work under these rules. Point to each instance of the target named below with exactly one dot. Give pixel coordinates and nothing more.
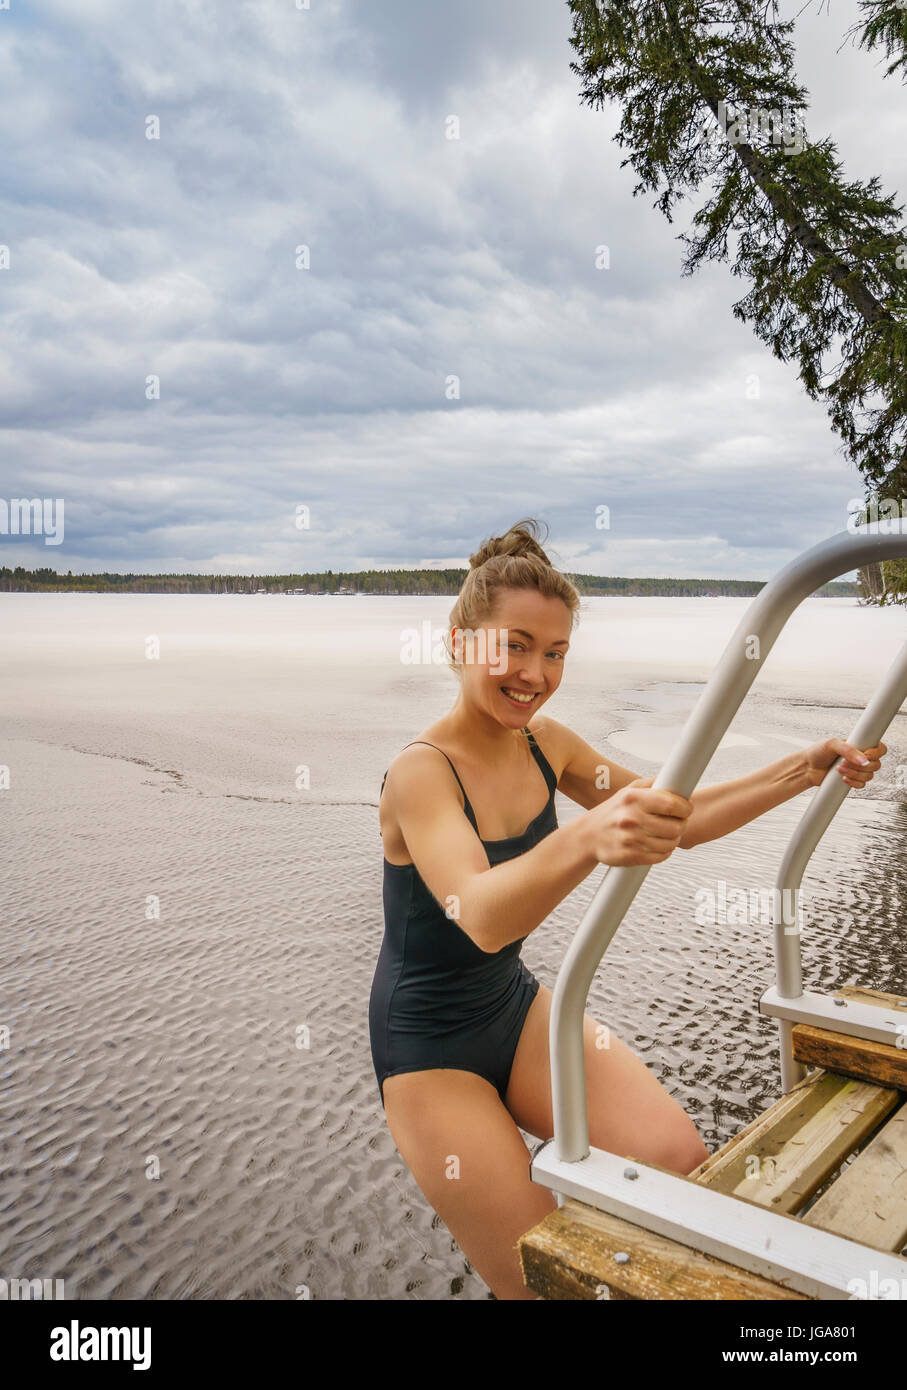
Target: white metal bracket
(803, 1258)
(850, 1016)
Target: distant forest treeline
(393, 582)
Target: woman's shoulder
(423, 751)
(432, 737)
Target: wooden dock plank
(861, 1058)
(872, 996)
(764, 1121)
(868, 1202)
(570, 1255)
(781, 1164)
(788, 1161)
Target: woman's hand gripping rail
(494, 906)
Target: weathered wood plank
(873, 996)
(570, 1255)
(783, 1163)
(868, 1202)
(861, 1058)
(762, 1122)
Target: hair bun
(519, 540)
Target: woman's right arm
(495, 906)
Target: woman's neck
(482, 735)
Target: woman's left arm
(726, 806)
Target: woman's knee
(683, 1148)
(670, 1141)
(630, 1111)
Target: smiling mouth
(523, 698)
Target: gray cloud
(430, 258)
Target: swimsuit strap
(440, 750)
(547, 770)
(466, 806)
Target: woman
(473, 862)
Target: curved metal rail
(747, 649)
(829, 796)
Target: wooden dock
(832, 1154)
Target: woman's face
(519, 651)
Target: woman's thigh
(630, 1112)
(471, 1163)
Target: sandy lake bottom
(178, 915)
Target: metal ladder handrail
(829, 796)
(748, 647)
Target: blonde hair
(515, 560)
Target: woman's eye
(518, 647)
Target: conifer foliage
(710, 99)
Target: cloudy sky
(324, 388)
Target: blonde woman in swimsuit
(474, 861)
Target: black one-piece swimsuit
(437, 1000)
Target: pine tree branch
(842, 276)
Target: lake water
(189, 931)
